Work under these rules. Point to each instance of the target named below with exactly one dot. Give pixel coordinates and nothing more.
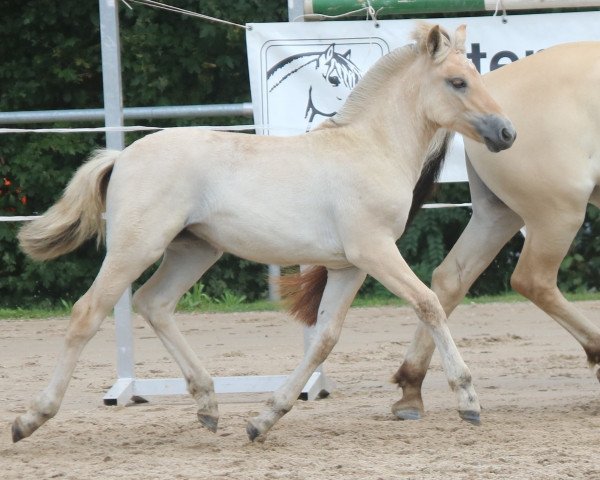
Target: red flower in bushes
(5, 189)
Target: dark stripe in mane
(429, 175)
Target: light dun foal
(338, 196)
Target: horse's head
(455, 97)
(336, 75)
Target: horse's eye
(457, 83)
(334, 80)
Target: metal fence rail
(129, 113)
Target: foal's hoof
(17, 431)
(254, 433)
(470, 416)
(407, 414)
(209, 422)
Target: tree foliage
(50, 59)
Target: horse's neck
(397, 130)
(376, 87)
(385, 109)
(405, 142)
(285, 69)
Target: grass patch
(31, 313)
(229, 304)
(209, 307)
(512, 297)
(215, 307)
(509, 297)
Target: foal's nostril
(506, 134)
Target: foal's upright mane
(385, 68)
(374, 80)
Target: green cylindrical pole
(390, 7)
(413, 7)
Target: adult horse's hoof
(209, 422)
(470, 416)
(409, 409)
(407, 414)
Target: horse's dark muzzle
(497, 132)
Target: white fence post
(113, 117)
(127, 386)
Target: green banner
(397, 7)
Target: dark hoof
(17, 433)
(408, 414)
(470, 416)
(209, 422)
(252, 432)
(598, 374)
(323, 394)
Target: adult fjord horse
(544, 182)
(338, 196)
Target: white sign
(301, 73)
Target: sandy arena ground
(541, 417)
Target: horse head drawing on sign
(327, 77)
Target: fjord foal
(544, 182)
(338, 196)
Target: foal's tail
(77, 216)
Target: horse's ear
(460, 37)
(347, 53)
(434, 41)
(329, 52)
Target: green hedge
(51, 60)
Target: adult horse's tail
(77, 216)
(302, 292)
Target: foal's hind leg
(340, 290)
(116, 274)
(185, 260)
(490, 227)
(546, 244)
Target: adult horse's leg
(546, 244)
(339, 292)
(117, 272)
(185, 261)
(490, 227)
(383, 261)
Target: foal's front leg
(490, 227)
(340, 290)
(383, 261)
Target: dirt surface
(540, 419)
